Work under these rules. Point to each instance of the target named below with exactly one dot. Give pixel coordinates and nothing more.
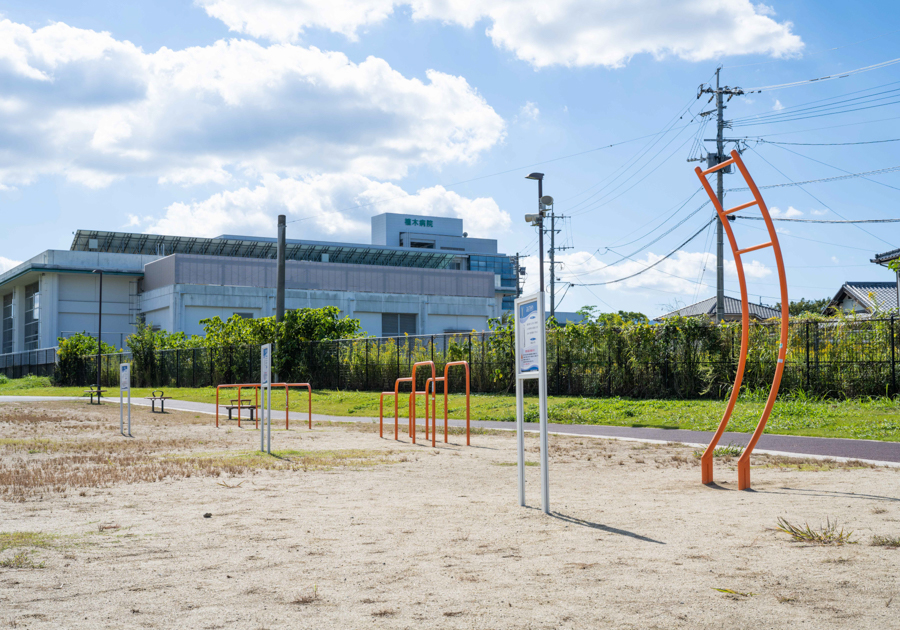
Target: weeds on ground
(15, 540)
(732, 450)
(827, 535)
(307, 597)
(892, 542)
(21, 560)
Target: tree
(803, 305)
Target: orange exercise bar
(706, 461)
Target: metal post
(99, 332)
(720, 193)
(552, 263)
(178, 367)
(541, 235)
(807, 357)
(893, 364)
(520, 438)
(279, 283)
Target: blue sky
(216, 116)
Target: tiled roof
(884, 293)
(732, 307)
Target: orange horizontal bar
(743, 206)
(718, 166)
(754, 248)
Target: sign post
(124, 386)
(531, 363)
(265, 446)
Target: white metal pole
(262, 424)
(122, 411)
(542, 395)
(520, 436)
(129, 410)
(269, 422)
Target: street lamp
(538, 220)
(99, 330)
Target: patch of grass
(15, 540)
(808, 464)
(732, 450)
(874, 418)
(729, 591)
(826, 535)
(892, 542)
(527, 463)
(21, 560)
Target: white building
(420, 275)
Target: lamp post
(538, 220)
(99, 330)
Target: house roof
(732, 307)
(884, 294)
(886, 257)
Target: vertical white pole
(262, 423)
(269, 421)
(122, 411)
(520, 436)
(542, 394)
(129, 410)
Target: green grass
(867, 418)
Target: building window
(7, 340)
(32, 316)
(397, 324)
(245, 315)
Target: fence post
(367, 364)
(893, 367)
(178, 367)
(807, 357)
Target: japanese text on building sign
(420, 222)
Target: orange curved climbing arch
(706, 460)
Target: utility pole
(712, 159)
(553, 250)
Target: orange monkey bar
(706, 461)
(430, 388)
(256, 387)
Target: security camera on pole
(531, 358)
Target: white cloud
(777, 106)
(6, 264)
(819, 213)
(83, 104)
(678, 274)
(565, 32)
(529, 111)
(790, 213)
(835, 260)
(332, 207)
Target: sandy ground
(408, 536)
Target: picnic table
(153, 398)
(93, 391)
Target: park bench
(161, 398)
(241, 404)
(93, 391)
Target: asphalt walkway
(835, 448)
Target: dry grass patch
(807, 464)
(826, 535)
(892, 542)
(21, 560)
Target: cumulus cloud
(678, 274)
(83, 104)
(777, 106)
(6, 264)
(529, 111)
(332, 207)
(565, 32)
(790, 213)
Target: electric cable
(828, 77)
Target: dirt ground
(182, 527)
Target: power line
(828, 77)
(812, 240)
(822, 221)
(827, 144)
(648, 268)
(792, 109)
(880, 171)
(817, 199)
(874, 181)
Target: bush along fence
(681, 358)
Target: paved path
(866, 450)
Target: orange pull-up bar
(706, 461)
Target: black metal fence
(829, 358)
(36, 362)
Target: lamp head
(537, 176)
(533, 219)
